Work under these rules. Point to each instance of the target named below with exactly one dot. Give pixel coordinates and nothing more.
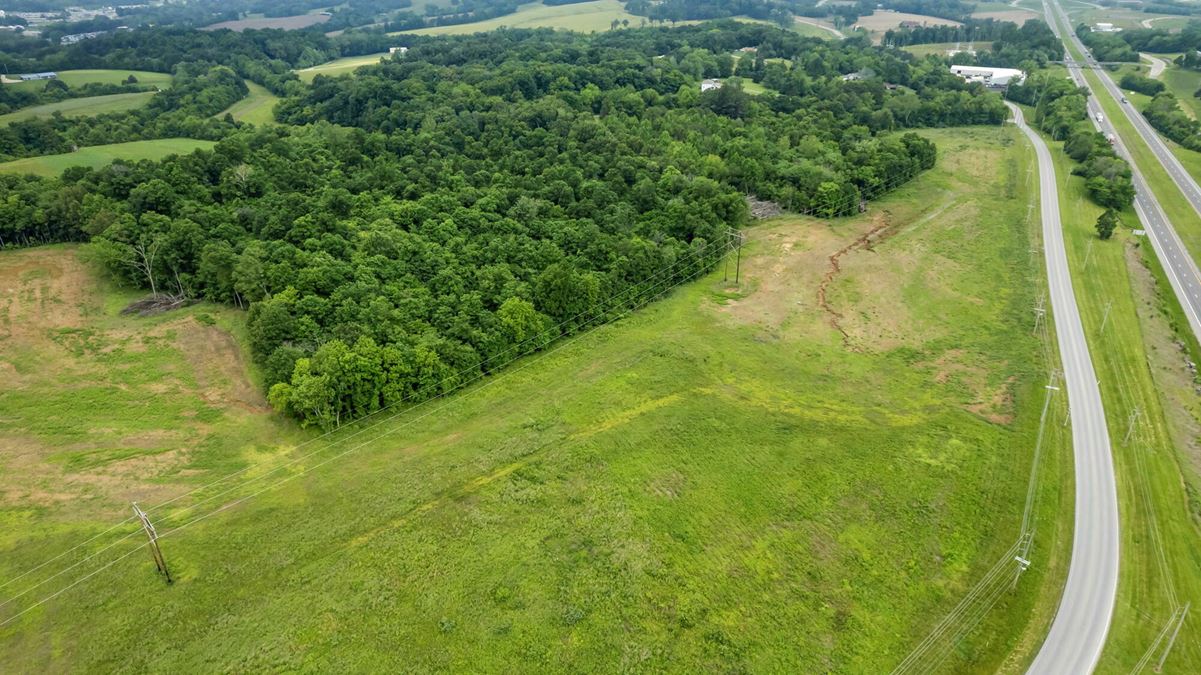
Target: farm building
(990, 77)
(37, 76)
(709, 85)
(1105, 28)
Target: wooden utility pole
(155, 552)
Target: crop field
(799, 473)
(1141, 346)
(80, 107)
(882, 20)
(76, 78)
(1018, 16)
(101, 155)
(256, 107)
(281, 22)
(584, 17)
(338, 67)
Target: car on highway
(1124, 100)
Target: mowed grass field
(256, 107)
(79, 107)
(734, 478)
(584, 17)
(946, 48)
(338, 67)
(76, 78)
(102, 155)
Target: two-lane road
(1082, 621)
(1182, 271)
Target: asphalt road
(1182, 271)
(1082, 621)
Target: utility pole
(1087, 253)
(1040, 309)
(738, 255)
(1130, 422)
(1105, 319)
(155, 552)
(1163, 657)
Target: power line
(645, 297)
(596, 311)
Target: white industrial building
(989, 77)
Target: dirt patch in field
(957, 368)
(881, 228)
(219, 366)
(154, 389)
(40, 292)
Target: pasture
(584, 17)
(802, 472)
(947, 48)
(281, 22)
(80, 107)
(102, 155)
(338, 67)
(77, 78)
(256, 107)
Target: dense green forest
(424, 221)
(1030, 46)
(1061, 110)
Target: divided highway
(1082, 621)
(1182, 271)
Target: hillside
(840, 442)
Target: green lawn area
(338, 67)
(76, 78)
(942, 48)
(1140, 366)
(735, 478)
(256, 108)
(101, 155)
(78, 107)
(584, 17)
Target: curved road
(1082, 621)
(1182, 271)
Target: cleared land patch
(1018, 16)
(100, 409)
(101, 155)
(80, 107)
(77, 78)
(677, 491)
(882, 20)
(584, 17)
(338, 67)
(281, 22)
(256, 107)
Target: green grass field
(338, 67)
(78, 107)
(942, 48)
(257, 107)
(733, 479)
(584, 17)
(76, 78)
(1140, 365)
(101, 155)
(1183, 83)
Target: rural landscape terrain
(602, 336)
